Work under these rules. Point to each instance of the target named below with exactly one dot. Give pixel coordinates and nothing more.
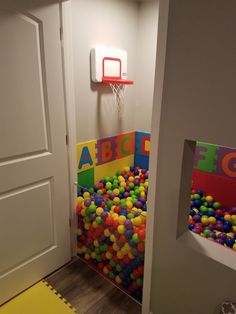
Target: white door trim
(163, 12)
(70, 111)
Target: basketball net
(118, 92)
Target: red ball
(141, 247)
(117, 209)
(115, 223)
(100, 266)
(126, 260)
(142, 234)
(219, 212)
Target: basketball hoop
(109, 66)
(118, 89)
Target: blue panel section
(138, 141)
(141, 161)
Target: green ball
(234, 222)
(118, 267)
(112, 263)
(98, 258)
(131, 185)
(97, 250)
(206, 232)
(122, 190)
(203, 209)
(135, 238)
(139, 282)
(216, 205)
(111, 275)
(99, 192)
(92, 208)
(132, 276)
(196, 197)
(103, 247)
(109, 203)
(130, 215)
(99, 220)
(87, 219)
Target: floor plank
(89, 292)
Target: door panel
(22, 90)
(34, 200)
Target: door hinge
(67, 140)
(61, 32)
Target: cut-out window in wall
(212, 211)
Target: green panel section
(86, 179)
(206, 157)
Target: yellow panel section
(39, 299)
(147, 145)
(86, 155)
(110, 168)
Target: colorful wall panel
(142, 149)
(103, 157)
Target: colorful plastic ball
(121, 229)
(229, 242)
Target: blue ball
(200, 192)
(128, 233)
(132, 168)
(197, 203)
(229, 242)
(191, 226)
(192, 212)
(136, 172)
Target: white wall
(146, 60)
(124, 24)
(198, 104)
(105, 23)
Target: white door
(34, 202)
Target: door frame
(70, 111)
(67, 55)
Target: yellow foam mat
(39, 299)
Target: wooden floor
(89, 292)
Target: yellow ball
(79, 231)
(107, 233)
(209, 198)
(146, 184)
(137, 221)
(130, 255)
(119, 255)
(82, 212)
(94, 224)
(87, 256)
(113, 238)
(144, 214)
(234, 228)
(86, 195)
(230, 234)
(108, 255)
(116, 191)
(121, 229)
(117, 279)
(99, 211)
(122, 184)
(205, 220)
(129, 204)
(227, 217)
(126, 169)
(80, 199)
(141, 189)
(142, 194)
(93, 255)
(121, 179)
(84, 249)
(212, 220)
(233, 217)
(115, 247)
(79, 251)
(105, 270)
(131, 179)
(234, 247)
(96, 243)
(87, 226)
(116, 200)
(121, 219)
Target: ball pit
(210, 220)
(112, 225)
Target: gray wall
(146, 60)
(198, 103)
(122, 24)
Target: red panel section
(221, 188)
